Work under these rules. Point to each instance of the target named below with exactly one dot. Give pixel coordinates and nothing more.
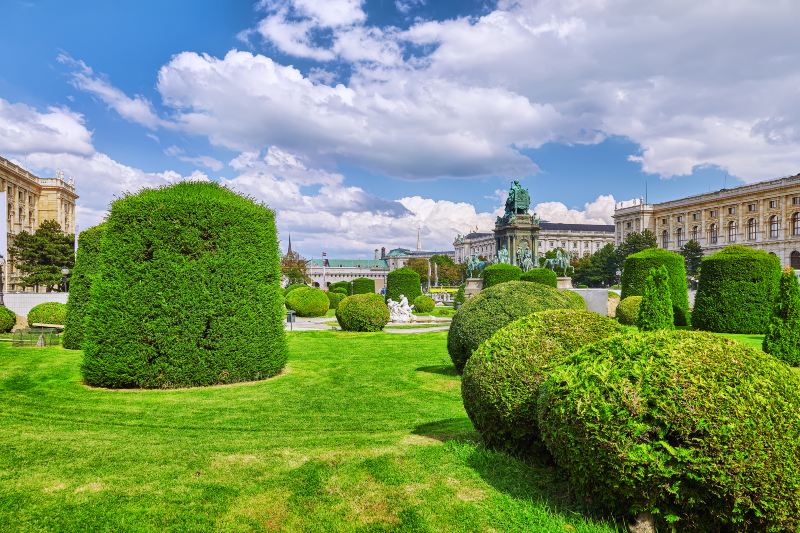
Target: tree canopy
(40, 256)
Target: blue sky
(362, 122)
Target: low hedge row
(545, 276)
(500, 273)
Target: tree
(597, 270)
(449, 272)
(692, 253)
(634, 242)
(655, 312)
(41, 255)
(783, 332)
(294, 269)
(420, 266)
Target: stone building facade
(763, 215)
(30, 201)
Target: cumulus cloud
(25, 129)
(598, 211)
(199, 160)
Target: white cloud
(25, 129)
(200, 160)
(598, 211)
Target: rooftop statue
(517, 203)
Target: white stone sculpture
(399, 311)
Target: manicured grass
(363, 432)
(418, 326)
(438, 311)
(751, 340)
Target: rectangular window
(751, 207)
(680, 218)
(773, 204)
(731, 210)
(694, 216)
(713, 213)
(663, 220)
(796, 200)
(628, 225)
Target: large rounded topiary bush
(687, 425)
(483, 314)
(500, 273)
(628, 310)
(308, 302)
(80, 284)
(501, 380)
(292, 286)
(363, 286)
(545, 276)
(637, 268)
(341, 286)
(188, 291)
(8, 319)
(362, 312)
(48, 313)
(403, 281)
(424, 304)
(736, 290)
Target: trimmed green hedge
(656, 311)
(334, 298)
(48, 313)
(501, 380)
(628, 310)
(637, 268)
(363, 286)
(460, 296)
(402, 281)
(424, 304)
(362, 312)
(308, 302)
(8, 319)
(80, 284)
(500, 273)
(188, 291)
(340, 286)
(699, 430)
(289, 288)
(737, 288)
(783, 332)
(545, 276)
(483, 314)
(576, 298)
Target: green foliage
(577, 300)
(449, 272)
(692, 254)
(424, 304)
(783, 332)
(334, 298)
(80, 285)
(363, 312)
(363, 286)
(637, 268)
(634, 242)
(737, 288)
(501, 380)
(340, 290)
(500, 273)
(41, 255)
(289, 288)
(687, 425)
(308, 302)
(48, 313)
(403, 281)
(493, 308)
(188, 291)
(460, 295)
(597, 270)
(628, 310)
(545, 276)
(655, 311)
(341, 286)
(8, 319)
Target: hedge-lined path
(404, 331)
(361, 432)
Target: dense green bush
(501, 380)
(289, 288)
(783, 332)
(424, 304)
(577, 299)
(8, 319)
(80, 284)
(500, 273)
(334, 298)
(736, 291)
(637, 268)
(363, 312)
(341, 286)
(340, 290)
(628, 310)
(363, 286)
(686, 425)
(187, 293)
(493, 308)
(655, 311)
(402, 281)
(460, 295)
(545, 276)
(48, 313)
(308, 302)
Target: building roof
(351, 263)
(397, 252)
(477, 235)
(557, 226)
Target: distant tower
(383, 252)
(289, 251)
(377, 254)
(419, 240)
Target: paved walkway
(319, 324)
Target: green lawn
(363, 432)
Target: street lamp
(2, 271)
(64, 274)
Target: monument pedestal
(563, 282)
(473, 287)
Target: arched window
(712, 234)
(751, 229)
(794, 259)
(796, 224)
(665, 239)
(695, 233)
(774, 227)
(731, 231)
(679, 237)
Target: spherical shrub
(48, 313)
(334, 298)
(483, 314)
(545, 276)
(577, 299)
(686, 425)
(501, 380)
(308, 302)
(8, 319)
(340, 290)
(289, 288)
(637, 268)
(402, 281)
(341, 286)
(187, 293)
(424, 304)
(80, 284)
(363, 286)
(362, 312)
(500, 273)
(628, 310)
(736, 290)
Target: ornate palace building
(763, 215)
(30, 201)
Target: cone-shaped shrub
(363, 286)
(500, 273)
(308, 301)
(403, 281)
(188, 292)
(8, 319)
(783, 332)
(80, 284)
(637, 268)
(655, 312)
(545, 276)
(48, 313)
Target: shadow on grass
(444, 370)
(459, 429)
